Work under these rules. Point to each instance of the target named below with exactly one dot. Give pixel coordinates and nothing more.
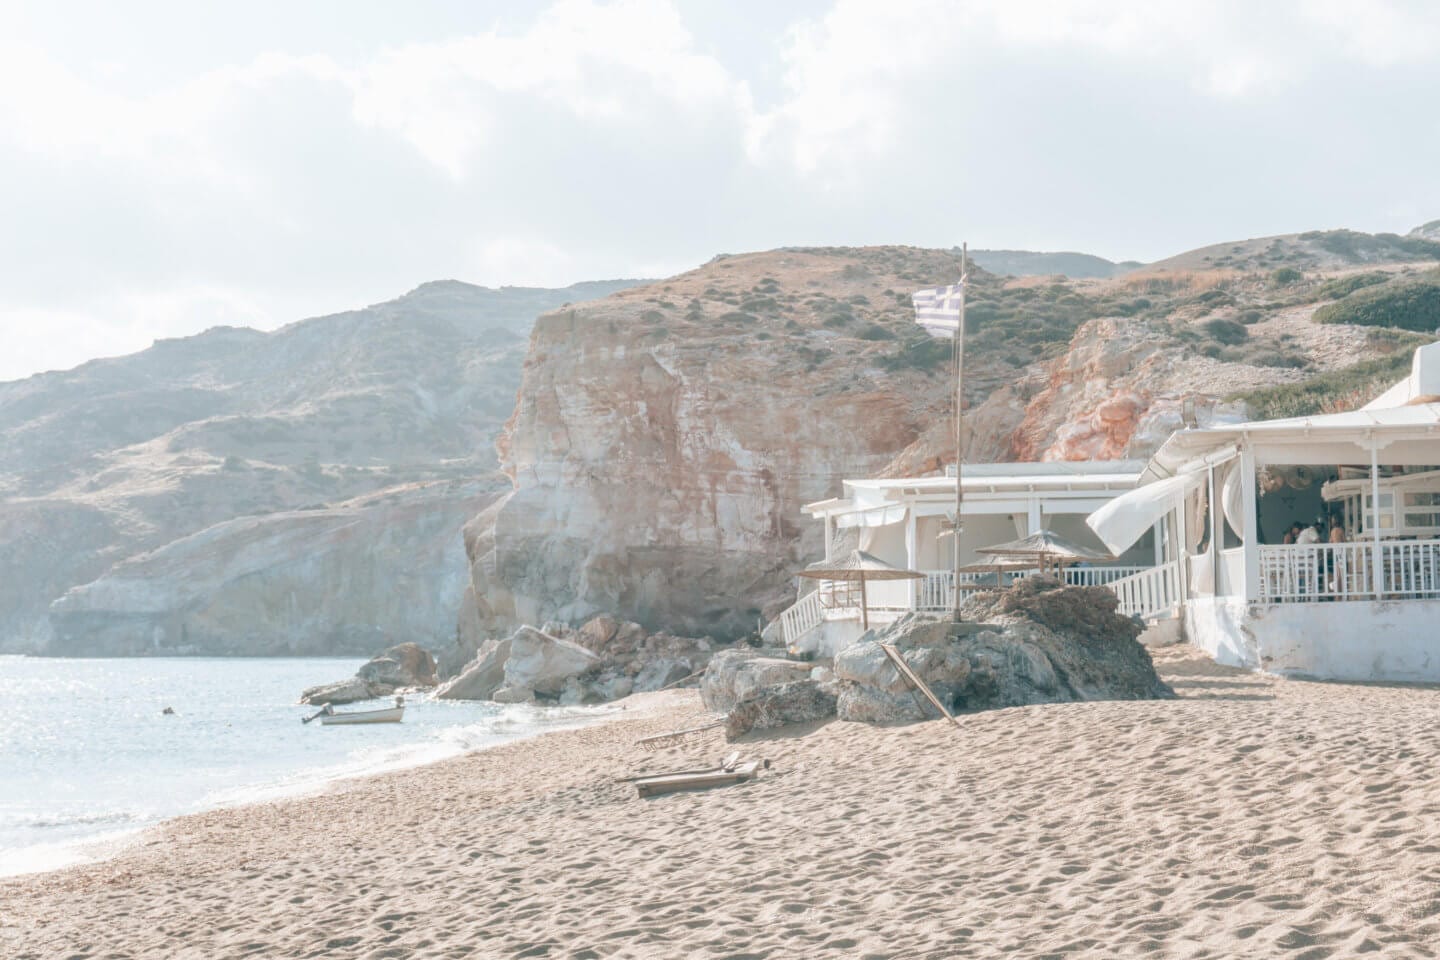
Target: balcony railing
(1298, 573)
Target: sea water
(88, 756)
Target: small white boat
(329, 717)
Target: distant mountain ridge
(124, 455)
(1030, 263)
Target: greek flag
(938, 310)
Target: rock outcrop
(801, 701)
(665, 438)
(605, 659)
(1037, 642)
(539, 666)
(481, 677)
(741, 672)
(401, 667)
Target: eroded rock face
(1034, 643)
(317, 582)
(664, 439)
(801, 701)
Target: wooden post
(919, 684)
(864, 603)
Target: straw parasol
(1046, 548)
(997, 566)
(858, 566)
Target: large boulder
(801, 701)
(541, 664)
(403, 665)
(481, 677)
(343, 691)
(604, 659)
(733, 675)
(397, 667)
(1037, 642)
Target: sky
(167, 166)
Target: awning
(1125, 519)
(873, 508)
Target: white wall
(1356, 640)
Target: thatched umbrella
(1045, 548)
(997, 566)
(859, 566)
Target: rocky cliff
(248, 492)
(666, 437)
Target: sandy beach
(1252, 817)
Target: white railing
(935, 593)
(1100, 576)
(1316, 571)
(1291, 573)
(1150, 591)
(1411, 568)
(801, 617)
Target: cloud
(300, 171)
(871, 80)
(622, 66)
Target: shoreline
(44, 858)
(1249, 817)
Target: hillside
(666, 437)
(122, 456)
(1313, 250)
(301, 490)
(1028, 263)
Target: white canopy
(1125, 519)
(1423, 382)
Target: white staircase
(1151, 594)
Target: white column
(1250, 525)
(912, 551)
(1377, 566)
(1158, 534)
(1032, 518)
(829, 536)
(1217, 534)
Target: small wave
(42, 821)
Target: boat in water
(328, 717)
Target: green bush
(1344, 286)
(1363, 381)
(1227, 331)
(928, 354)
(1285, 276)
(876, 332)
(1409, 305)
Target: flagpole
(959, 431)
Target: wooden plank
(919, 684)
(672, 782)
(727, 764)
(652, 743)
